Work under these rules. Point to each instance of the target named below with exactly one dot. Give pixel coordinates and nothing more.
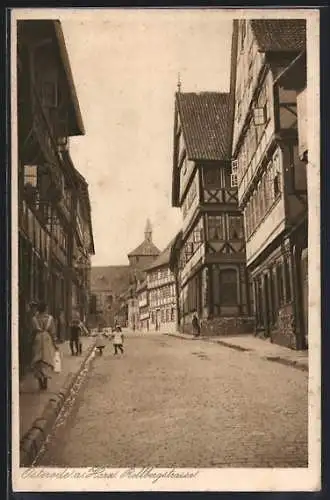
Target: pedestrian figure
(100, 342)
(118, 340)
(44, 345)
(75, 342)
(196, 324)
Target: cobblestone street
(171, 402)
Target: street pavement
(171, 403)
(32, 401)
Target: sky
(125, 66)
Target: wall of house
(274, 296)
(249, 64)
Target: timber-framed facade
(211, 261)
(272, 184)
(54, 214)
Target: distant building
(144, 254)
(114, 288)
(108, 288)
(143, 304)
(159, 293)
(270, 165)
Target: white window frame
(31, 175)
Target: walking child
(118, 340)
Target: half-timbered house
(48, 184)
(271, 175)
(212, 271)
(161, 293)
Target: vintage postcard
(166, 250)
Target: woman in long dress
(44, 345)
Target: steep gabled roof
(147, 249)
(278, 35)
(163, 259)
(205, 120)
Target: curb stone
(275, 359)
(287, 362)
(33, 439)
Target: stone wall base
(224, 326)
(284, 332)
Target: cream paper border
(308, 479)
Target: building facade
(271, 176)
(211, 267)
(48, 184)
(109, 285)
(160, 294)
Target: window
(277, 190)
(197, 235)
(233, 176)
(252, 213)
(233, 180)
(213, 177)
(172, 314)
(49, 93)
(228, 287)
(259, 115)
(188, 250)
(243, 34)
(235, 229)
(216, 227)
(239, 111)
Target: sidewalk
(33, 403)
(263, 348)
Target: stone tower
(148, 232)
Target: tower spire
(148, 231)
(179, 82)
